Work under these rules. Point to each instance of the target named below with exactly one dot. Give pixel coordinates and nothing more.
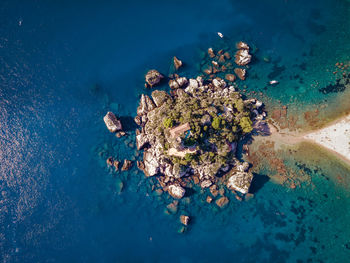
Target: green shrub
(216, 123)
(246, 124)
(168, 122)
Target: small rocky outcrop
(241, 73)
(177, 63)
(184, 219)
(242, 57)
(112, 123)
(153, 77)
(176, 191)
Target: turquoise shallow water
(63, 65)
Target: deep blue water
(64, 64)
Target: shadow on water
(259, 180)
(128, 123)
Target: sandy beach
(335, 137)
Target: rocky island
(190, 135)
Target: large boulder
(159, 97)
(223, 201)
(151, 164)
(112, 123)
(176, 191)
(240, 181)
(142, 140)
(153, 77)
(242, 57)
(240, 72)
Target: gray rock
(153, 77)
(112, 123)
(176, 191)
(151, 164)
(240, 181)
(177, 63)
(146, 105)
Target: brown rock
(223, 68)
(211, 52)
(223, 201)
(184, 219)
(208, 70)
(126, 165)
(120, 134)
(177, 63)
(209, 199)
(109, 161)
(220, 52)
(153, 77)
(137, 120)
(227, 55)
(242, 45)
(240, 73)
(196, 179)
(230, 77)
(222, 191)
(214, 190)
(248, 196)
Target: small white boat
(273, 82)
(220, 34)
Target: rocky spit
(190, 135)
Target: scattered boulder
(120, 134)
(211, 53)
(112, 123)
(138, 120)
(242, 57)
(240, 73)
(227, 55)
(206, 183)
(230, 77)
(176, 191)
(126, 165)
(178, 82)
(219, 83)
(223, 201)
(184, 219)
(153, 77)
(177, 63)
(209, 199)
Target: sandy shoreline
(334, 137)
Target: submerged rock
(176, 191)
(223, 201)
(153, 77)
(230, 77)
(112, 123)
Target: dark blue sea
(64, 64)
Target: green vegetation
(215, 122)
